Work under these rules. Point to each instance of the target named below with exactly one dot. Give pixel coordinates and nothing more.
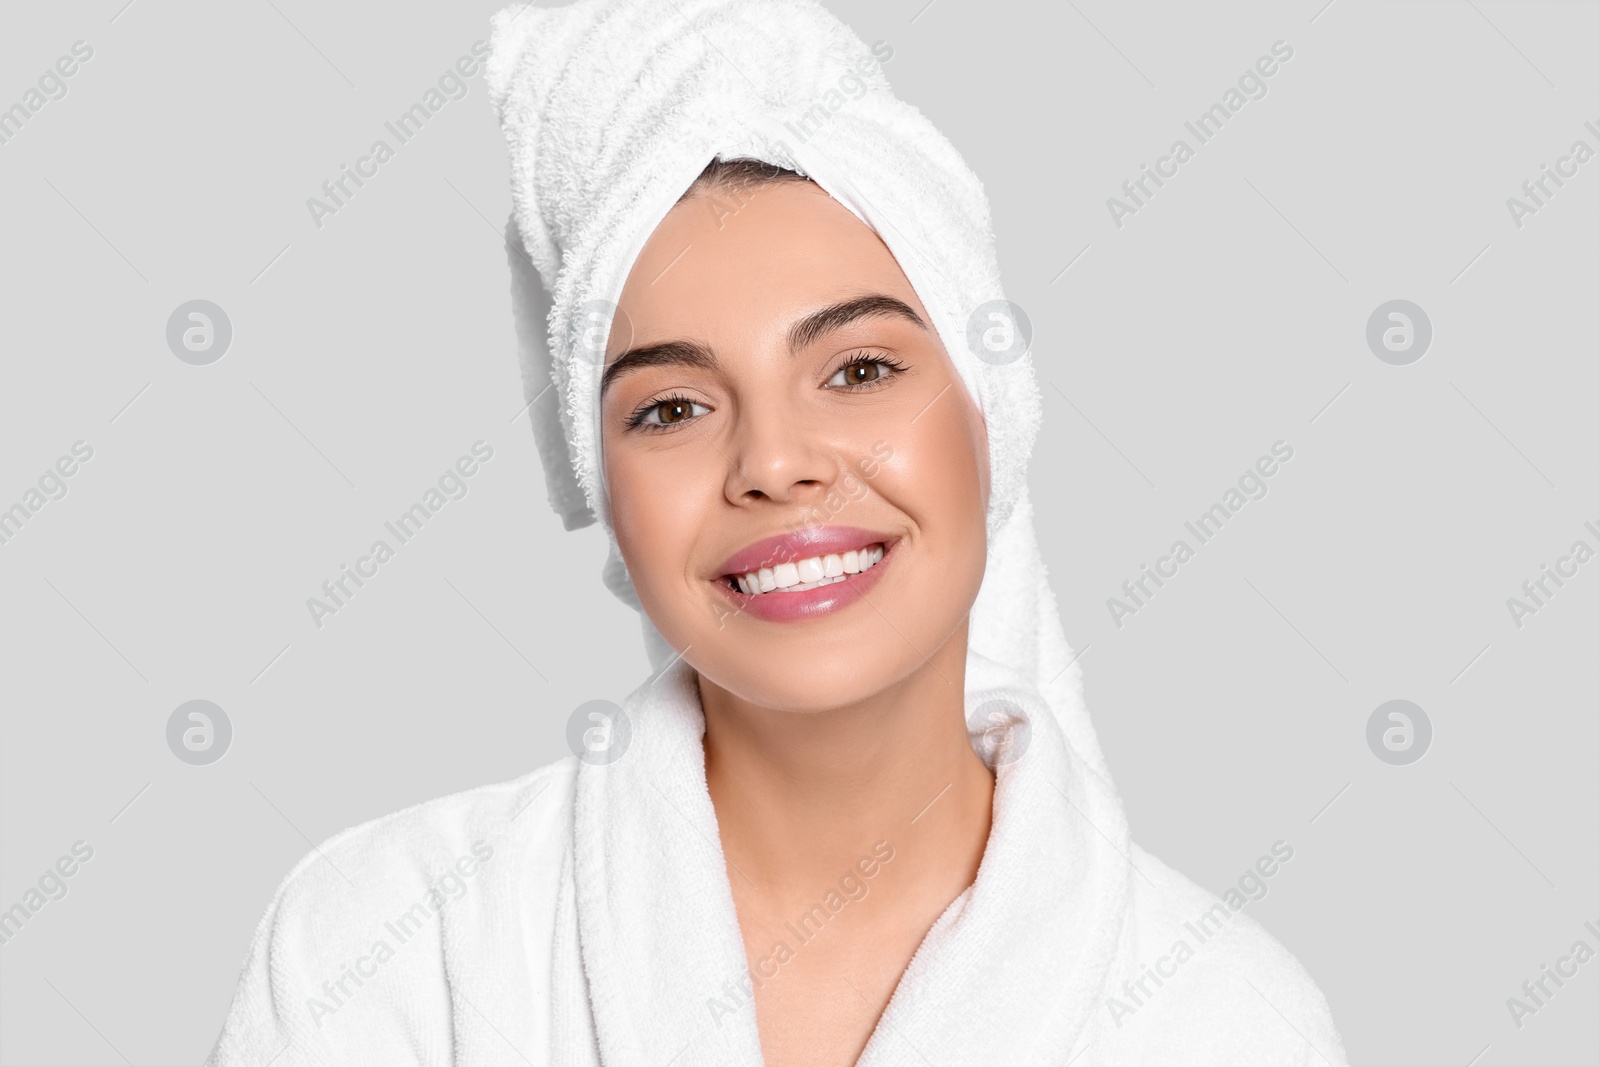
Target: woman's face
(774, 394)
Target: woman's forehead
(749, 260)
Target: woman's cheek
(632, 516)
(656, 516)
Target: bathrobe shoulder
(441, 936)
(390, 939)
(1197, 981)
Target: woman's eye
(671, 412)
(861, 372)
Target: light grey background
(1228, 313)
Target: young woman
(858, 815)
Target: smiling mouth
(810, 573)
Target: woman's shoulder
(523, 818)
(358, 906)
(1199, 980)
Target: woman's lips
(807, 599)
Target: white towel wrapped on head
(611, 110)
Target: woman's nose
(779, 457)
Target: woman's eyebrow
(802, 333)
(875, 305)
(665, 354)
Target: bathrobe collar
(1011, 972)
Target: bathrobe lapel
(1010, 973)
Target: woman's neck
(801, 797)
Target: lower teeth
(803, 586)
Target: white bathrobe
(582, 915)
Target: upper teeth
(809, 573)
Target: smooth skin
(824, 736)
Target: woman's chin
(810, 682)
(802, 696)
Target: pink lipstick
(806, 573)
